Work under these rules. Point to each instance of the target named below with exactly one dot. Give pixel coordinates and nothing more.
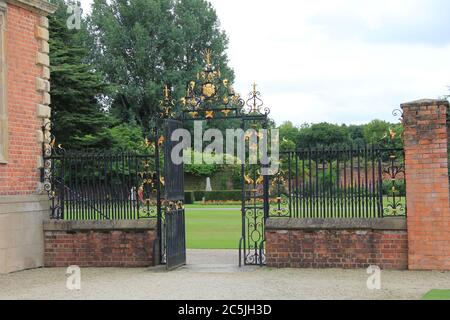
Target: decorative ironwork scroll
(52, 175)
(394, 203)
(254, 104)
(167, 104)
(210, 96)
(279, 207)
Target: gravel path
(213, 274)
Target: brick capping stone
(104, 225)
(330, 224)
(425, 103)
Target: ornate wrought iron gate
(255, 201)
(149, 185)
(174, 230)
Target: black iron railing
(96, 186)
(346, 182)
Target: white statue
(208, 184)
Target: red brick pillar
(427, 191)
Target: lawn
(213, 228)
(216, 206)
(437, 295)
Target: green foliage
(208, 167)
(201, 170)
(287, 145)
(288, 131)
(327, 179)
(199, 195)
(141, 45)
(233, 195)
(376, 130)
(76, 87)
(400, 188)
(125, 137)
(356, 133)
(322, 134)
(326, 134)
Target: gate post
(427, 190)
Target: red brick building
(24, 108)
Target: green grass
(213, 229)
(437, 295)
(213, 206)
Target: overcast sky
(340, 61)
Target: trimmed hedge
(234, 195)
(198, 195)
(230, 195)
(189, 197)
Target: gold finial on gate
(166, 92)
(255, 94)
(392, 133)
(254, 88)
(208, 54)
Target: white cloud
(346, 61)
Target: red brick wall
(131, 248)
(349, 249)
(427, 188)
(20, 175)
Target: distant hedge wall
(221, 195)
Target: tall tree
(288, 131)
(322, 134)
(141, 45)
(376, 130)
(76, 112)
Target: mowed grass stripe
(213, 229)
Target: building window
(3, 92)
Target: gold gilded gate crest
(209, 90)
